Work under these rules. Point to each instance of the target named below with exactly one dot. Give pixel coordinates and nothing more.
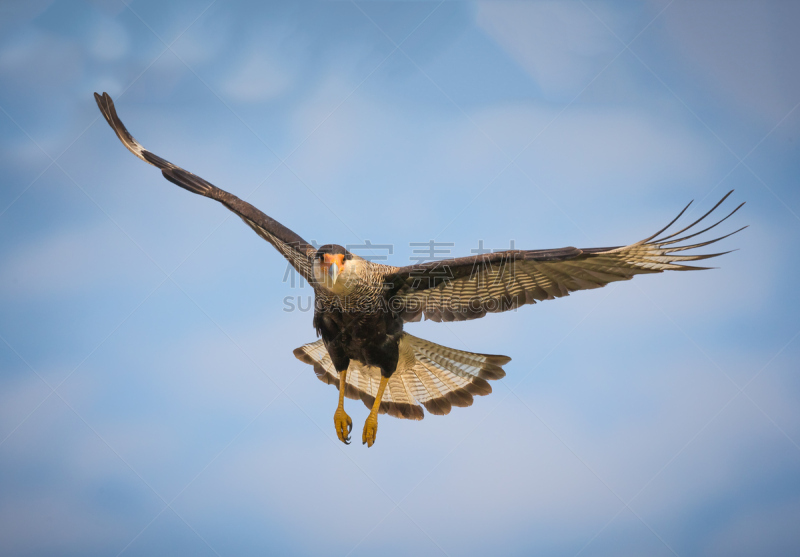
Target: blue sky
(149, 399)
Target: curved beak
(333, 272)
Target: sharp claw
(343, 427)
(369, 435)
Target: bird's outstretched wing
(471, 287)
(299, 252)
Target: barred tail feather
(428, 375)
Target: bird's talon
(370, 431)
(343, 425)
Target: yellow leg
(371, 425)
(342, 422)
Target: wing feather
(296, 250)
(506, 280)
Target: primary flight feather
(361, 306)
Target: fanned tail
(428, 375)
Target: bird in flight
(361, 306)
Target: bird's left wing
(471, 287)
(296, 250)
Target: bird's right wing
(296, 250)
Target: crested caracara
(361, 306)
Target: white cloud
(624, 147)
(562, 45)
(39, 61)
(21, 12)
(110, 41)
(744, 52)
(332, 134)
(260, 77)
(589, 149)
(66, 262)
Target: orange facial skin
(328, 260)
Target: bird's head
(335, 268)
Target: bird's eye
(348, 256)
